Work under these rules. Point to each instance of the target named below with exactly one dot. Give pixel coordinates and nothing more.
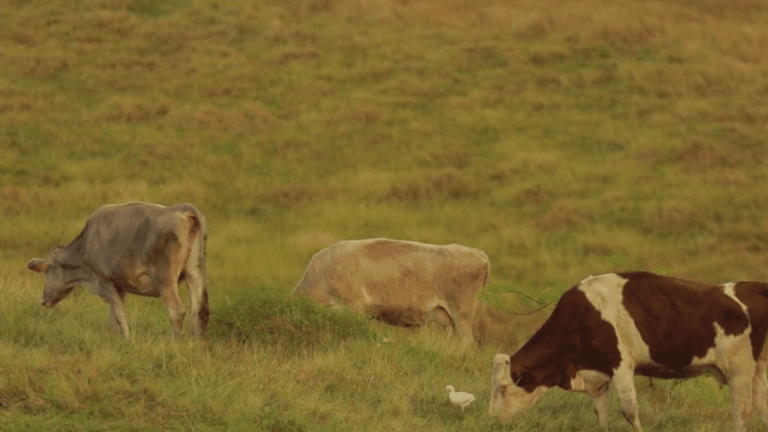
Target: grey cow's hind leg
(115, 298)
(169, 293)
(198, 294)
(195, 276)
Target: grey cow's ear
(38, 265)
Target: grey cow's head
(60, 277)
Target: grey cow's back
(116, 231)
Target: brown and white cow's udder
(589, 381)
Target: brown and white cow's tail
(197, 278)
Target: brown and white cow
(137, 248)
(611, 327)
(400, 282)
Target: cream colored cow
(400, 282)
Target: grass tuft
(298, 325)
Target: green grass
(564, 139)
(264, 317)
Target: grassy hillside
(562, 138)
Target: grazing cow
(611, 327)
(137, 248)
(400, 282)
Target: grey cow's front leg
(115, 298)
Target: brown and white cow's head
(517, 398)
(510, 392)
(60, 275)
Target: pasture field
(562, 138)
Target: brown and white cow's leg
(115, 299)
(760, 386)
(740, 384)
(624, 381)
(600, 402)
(741, 396)
(740, 369)
(598, 386)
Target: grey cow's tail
(205, 311)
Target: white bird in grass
(461, 399)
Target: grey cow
(138, 248)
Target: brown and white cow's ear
(38, 265)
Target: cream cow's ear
(38, 265)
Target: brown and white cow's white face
(516, 399)
(507, 392)
(58, 281)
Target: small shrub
(271, 421)
(296, 325)
(450, 184)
